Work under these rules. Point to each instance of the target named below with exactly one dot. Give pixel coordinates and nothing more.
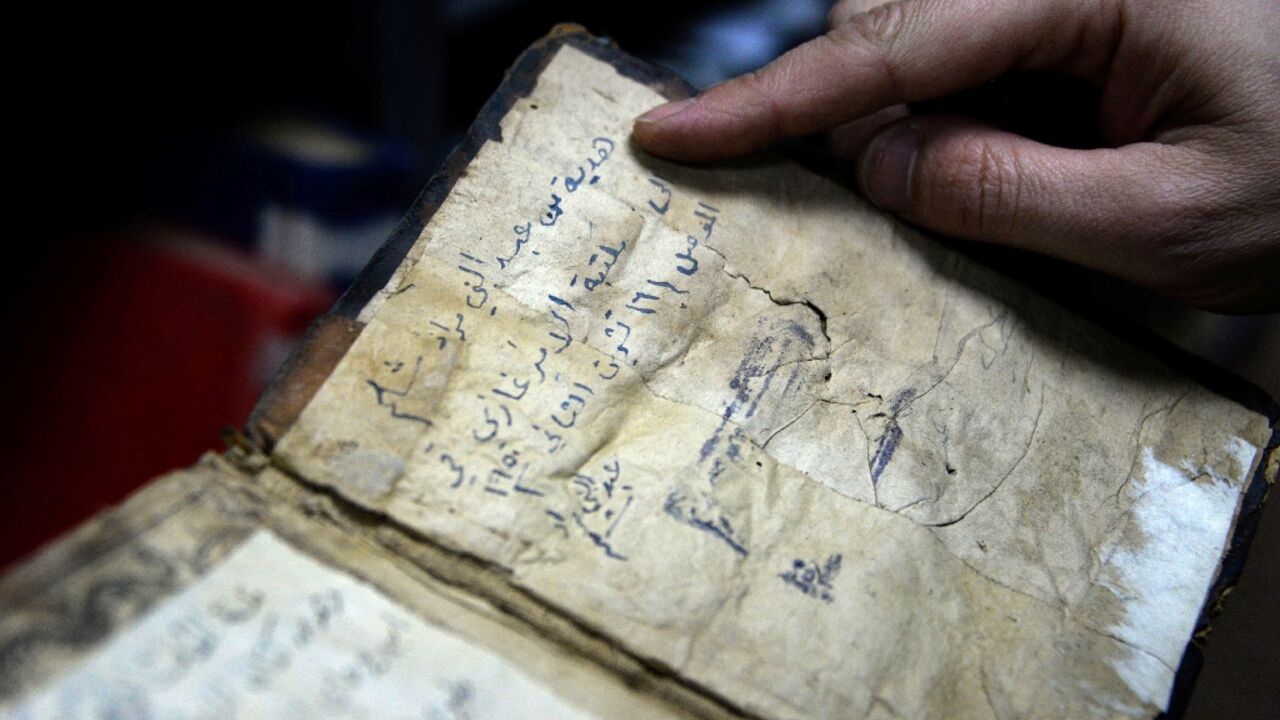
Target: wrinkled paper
(271, 633)
(767, 437)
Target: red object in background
(129, 357)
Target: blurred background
(198, 181)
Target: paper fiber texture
(775, 441)
(79, 629)
(271, 633)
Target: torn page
(767, 437)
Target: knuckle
(881, 25)
(872, 34)
(843, 10)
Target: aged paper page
(227, 590)
(270, 633)
(769, 439)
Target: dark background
(116, 87)
(196, 181)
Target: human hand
(1183, 197)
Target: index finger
(904, 51)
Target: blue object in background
(742, 38)
(314, 198)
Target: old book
(597, 435)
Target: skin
(1180, 195)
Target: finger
(1108, 209)
(905, 51)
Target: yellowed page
(231, 592)
(271, 633)
(766, 437)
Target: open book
(597, 435)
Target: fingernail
(887, 164)
(662, 112)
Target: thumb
(1112, 209)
